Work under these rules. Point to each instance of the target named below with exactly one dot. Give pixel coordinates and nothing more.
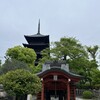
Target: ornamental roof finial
(38, 27)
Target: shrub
(97, 86)
(20, 82)
(87, 94)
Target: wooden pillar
(68, 90)
(42, 92)
(74, 93)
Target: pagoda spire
(38, 27)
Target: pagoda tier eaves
(36, 45)
(37, 38)
(37, 48)
(36, 35)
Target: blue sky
(59, 18)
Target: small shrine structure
(58, 83)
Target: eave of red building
(57, 71)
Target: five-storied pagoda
(38, 42)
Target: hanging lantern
(55, 77)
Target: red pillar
(42, 92)
(74, 93)
(68, 90)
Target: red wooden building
(58, 83)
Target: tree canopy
(96, 78)
(13, 64)
(20, 82)
(23, 54)
(67, 48)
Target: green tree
(68, 49)
(93, 54)
(95, 76)
(20, 82)
(0, 63)
(23, 54)
(45, 56)
(0, 66)
(93, 51)
(93, 63)
(13, 64)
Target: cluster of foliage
(20, 82)
(96, 78)
(81, 59)
(17, 73)
(13, 64)
(23, 54)
(87, 94)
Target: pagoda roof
(37, 47)
(36, 44)
(36, 35)
(37, 38)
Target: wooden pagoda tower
(58, 83)
(38, 42)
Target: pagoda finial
(39, 27)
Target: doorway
(54, 98)
(59, 95)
